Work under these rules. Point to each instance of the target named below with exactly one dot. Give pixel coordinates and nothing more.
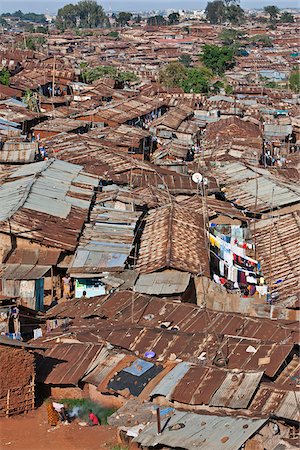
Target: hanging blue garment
(39, 294)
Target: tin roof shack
(138, 111)
(173, 238)
(56, 126)
(107, 243)
(44, 206)
(17, 377)
(277, 137)
(62, 366)
(18, 152)
(176, 124)
(278, 249)
(18, 113)
(134, 141)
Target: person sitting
(93, 419)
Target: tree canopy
(156, 20)
(123, 18)
(273, 12)
(30, 16)
(294, 81)
(218, 59)
(91, 74)
(196, 80)
(85, 14)
(287, 17)
(4, 77)
(173, 18)
(220, 11)
(185, 59)
(230, 36)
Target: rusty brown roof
(278, 249)
(65, 363)
(173, 238)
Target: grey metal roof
(163, 283)
(242, 183)
(237, 390)
(289, 408)
(168, 383)
(201, 431)
(22, 271)
(44, 187)
(107, 241)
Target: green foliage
(86, 14)
(215, 11)
(156, 20)
(173, 74)
(218, 59)
(138, 18)
(273, 12)
(287, 17)
(3, 22)
(185, 59)
(173, 18)
(114, 35)
(294, 80)
(32, 42)
(228, 89)
(197, 80)
(220, 11)
(230, 36)
(84, 404)
(4, 77)
(235, 14)
(91, 74)
(119, 447)
(263, 39)
(30, 16)
(123, 18)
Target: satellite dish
(197, 178)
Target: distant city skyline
(41, 6)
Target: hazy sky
(124, 5)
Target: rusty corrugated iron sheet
(173, 238)
(66, 364)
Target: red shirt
(93, 419)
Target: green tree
(126, 77)
(173, 18)
(91, 14)
(114, 35)
(218, 59)
(4, 77)
(294, 81)
(67, 16)
(173, 74)
(196, 80)
(287, 17)
(86, 14)
(138, 18)
(230, 36)
(235, 14)
(262, 39)
(156, 20)
(215, 11)
(273, 12)
(123, 18)
(185, 59)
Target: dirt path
(32, 432)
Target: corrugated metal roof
(237, 390)
(66, 363)
(22, 271)
(167, 384)
(163, 283)
(280, 260)
(173, 238)
(200, 431)
(101, 371)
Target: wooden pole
(158, 421)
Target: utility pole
(53, 76)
